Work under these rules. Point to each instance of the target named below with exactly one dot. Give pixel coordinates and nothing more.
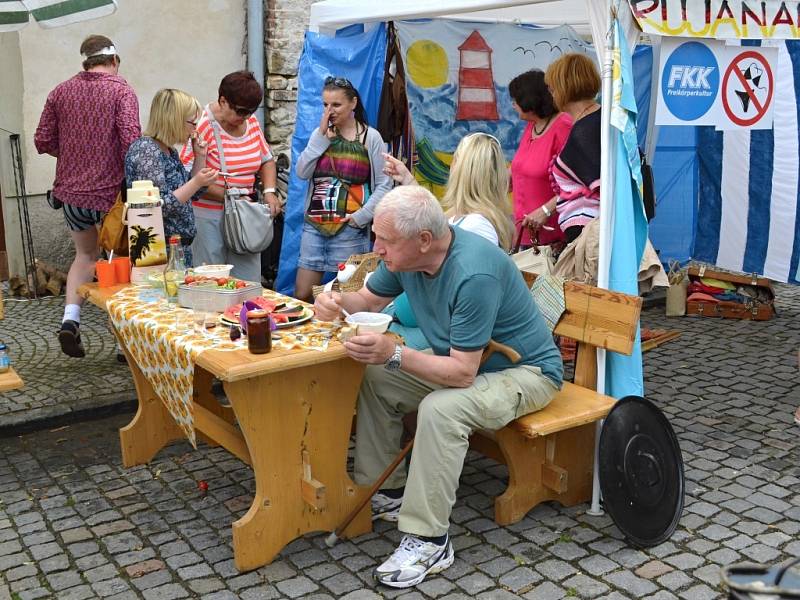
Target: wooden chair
(550, 453)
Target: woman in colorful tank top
(344, 163)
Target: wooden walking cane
(331, 540)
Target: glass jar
(5, 362)
(259, 332)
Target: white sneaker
(413, 560)
(386, 508)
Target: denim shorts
(323, 254)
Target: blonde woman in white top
(476, 200)
(477, 191)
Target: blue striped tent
(749, 184)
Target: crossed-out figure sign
(747, 88)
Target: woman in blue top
(173, 117)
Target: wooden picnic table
(8, 380)
(290, 419)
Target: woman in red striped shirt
(245, 152)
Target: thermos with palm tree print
(147, 244)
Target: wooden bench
(550, 453)
(10, 381)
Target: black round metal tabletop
(641, 471)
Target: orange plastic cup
(106, 276)
(122, 269)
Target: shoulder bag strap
(515, 249)
(218, 139)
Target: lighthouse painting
(477, 99)
(457, 76)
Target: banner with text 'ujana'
(721, 19)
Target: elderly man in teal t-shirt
(465, 292)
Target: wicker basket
(365, 263)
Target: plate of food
(284, 315)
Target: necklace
(583, 112)
(546, 123)
(356, 133)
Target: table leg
(152, 427)
(297, 428)
(206, 398)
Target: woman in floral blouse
(173, 118)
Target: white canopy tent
(587, 17)
(330, 15)
(594, 16)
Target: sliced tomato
(240, 284)
(189, 279)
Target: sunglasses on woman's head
(484, 134)
(338, 82)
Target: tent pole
(606, 226)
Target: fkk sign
(709, 83)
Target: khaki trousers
(446, 418)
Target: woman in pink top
(545, 135)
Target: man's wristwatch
(393, 362)
(270, 190)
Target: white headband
(107, 51)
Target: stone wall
(284, 29)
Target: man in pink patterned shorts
(88, 123)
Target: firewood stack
(48, 280)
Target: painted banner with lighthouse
(457, 76)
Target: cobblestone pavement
(57, 387)
(74, 524)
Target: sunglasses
(339, 82)
(488, 135)
(243, 111)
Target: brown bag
(676, 298)
(113, 230)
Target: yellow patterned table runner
(161, 339)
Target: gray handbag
(247, 226)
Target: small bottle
(5, 363)
(259, 332)
(181, 256)
(173, 272)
